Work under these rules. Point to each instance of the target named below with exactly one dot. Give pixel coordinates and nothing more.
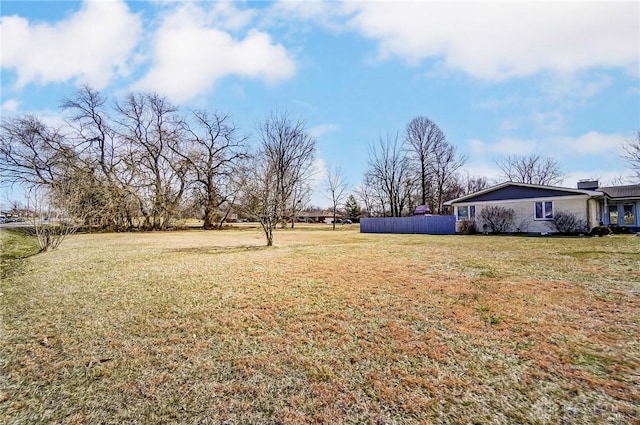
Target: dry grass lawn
(326, 327)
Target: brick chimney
(588, 184)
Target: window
(629, 216)
(466, 213)
(613, 215)
(544, 210)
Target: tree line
(140, 163)
(421, 167)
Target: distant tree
(352, 208)
(389, 175)
(289, 149)
(475, 184)
(632, 154)
(368, 194)
(454, 188)
(498, 219)
(300, 199)
(532, 169)
(337, 188)
(423, 139)
(444, 168)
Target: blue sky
(559, 79)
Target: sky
(554, 78)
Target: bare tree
(389, 175)
(365, 192)
(632, 154)
(444, 168)
(289, 150)
(532, 169)
(278, 172)
(103, 185)
(31, 152)
(50, 223)
(337, 188)
(424, 138)
(91, 129)
(214, 150)
(151, 128)
(475, 184)
(259, 196)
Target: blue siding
(431, 225)
(519, 192)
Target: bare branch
(532, 169)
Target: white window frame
(543, 205)
(471, 213)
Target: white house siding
(524, 209)
(594, 212)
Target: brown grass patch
(325, 327)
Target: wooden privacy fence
(425, 224)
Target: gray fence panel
(430, 224)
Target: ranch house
(535, 206)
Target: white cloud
(90, 46)
(317, 183)
(487, 170)
(606, 177)
(328, 14)
(476, 146)
(190, 55)
(512, 146)
(496, 40)
(320, 130)
(591, 143)
(9, 107)
(225, 15)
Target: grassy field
(325, 327)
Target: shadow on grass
(599, 253)
(15, 246)
(218, 249)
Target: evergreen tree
(352, 208)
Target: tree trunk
(208, 218)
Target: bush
(600, 231)
(619, 230)
(499, 219)
(468, 227)
(567, 223)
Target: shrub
(567, 223)
(499, 219)
(468, 227)
(600, 231)
(620, 229)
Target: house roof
(628, 191)
(514, 190)
(320, 214)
